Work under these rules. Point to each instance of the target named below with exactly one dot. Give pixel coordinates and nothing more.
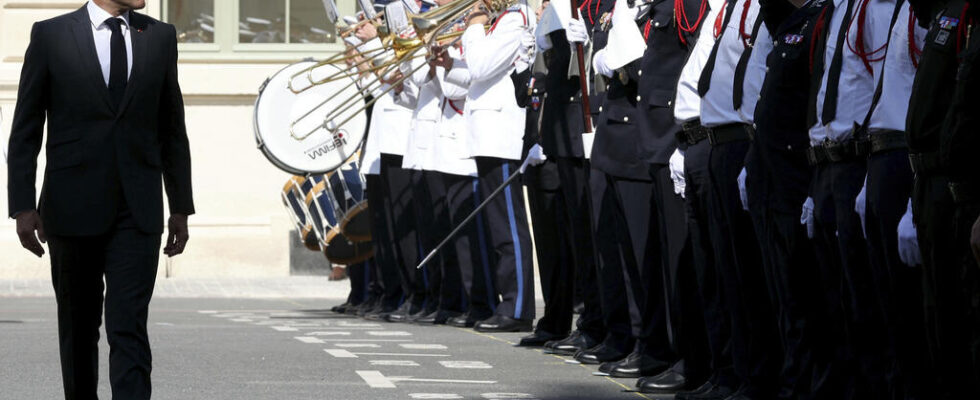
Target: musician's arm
(176, 153)
(27, 131)
(490, 56)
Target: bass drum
(290, 128)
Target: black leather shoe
(537, 339)
(715, 393)
(599, 354)
(421, 314)
(439, 317)
(340, 309)
(501, 323)
(401, 314)
(636, 365)
(704, 388)
(574, 343)
(669, 381)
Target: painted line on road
(340, 353)
(284, 328)
(394, 363)
(366, 340)
(357, 345)
(420, 346)
(389, 333)
(376, 380)
(307, 339)
(403, 354)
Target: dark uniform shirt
(960, 141)
(636, 125)
(936, 77)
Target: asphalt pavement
(292, 349)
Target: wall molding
(44, 5)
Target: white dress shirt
(717, 107)
(687, 106)
(755, 74)
(103, 39)
(857, 85)
(898, 74)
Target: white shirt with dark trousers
(103, 36)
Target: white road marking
(394, 363)
(357, 345)
(207, 311)
(506, 396)
(285, 328)
(340, 353)
(439, 396)
(420, 346)
(376, 380)
(466, 364)
(240, 320)
(389, 333)
(329, 333)
(165, 324)
(402, 354)
(410, 379)
(366, 340)
(357, 324)
(307, 339)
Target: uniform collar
(99, 16)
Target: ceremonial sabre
(469, 218)
(583, 81)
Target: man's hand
(177, 237)
(29, 222)
(477, 16)
(441, 58)
(975, 240)
(366, 32)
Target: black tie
(833, 77)
(704, 82)
(743, 62)
(118, 64)
(817, 63)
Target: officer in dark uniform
(778, 180)
(959, 146)
(948, 300)
(638, 220)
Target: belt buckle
(834, 152)
(862, 147)
(712, 139)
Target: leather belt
(692, 132)
(965, 192)
(837, 152)
(737, 132)
(925, 163)
(886, 140)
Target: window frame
(226, 46)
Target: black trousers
(777, 182)
(717, 320)
(126, 259)
(950, 287)
(742, 271)
(627, 238)
(510, 237)
(573, 175)
(385, 251)
(442, 273)
(472, 246)
(889, 187)
(841, 246)
(547, 206)
(966, 216)
(401, 216)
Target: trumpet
(433, 28)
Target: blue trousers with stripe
(507, 226)
(472, 245)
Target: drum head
(340, 251)
(291, 128)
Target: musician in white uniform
(495, 125)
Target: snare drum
(291, 128)
(326, 223)
(293, 201)
(348, 186)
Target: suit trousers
(841, 246)
(510, 237)
(401, 214)
(547, 205)
(573, 174)
(717, 320)
(791, 267)
(889, 186)
(442, 273)
(628, 244)
(122, 264)
(742, 271)
(472, 246)
(385, 251)
(950, 289)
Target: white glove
(599, 63)
(576, 32)
(525, 56)
(742, 193)
(535, 157)
(676, 164)
(807, 217)
(908, 240)
(860, 204)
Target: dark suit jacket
(99, 156)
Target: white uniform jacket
(388, 122)
(494, 120)
(425, 119)
(452, 153)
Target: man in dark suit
(105, 78)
